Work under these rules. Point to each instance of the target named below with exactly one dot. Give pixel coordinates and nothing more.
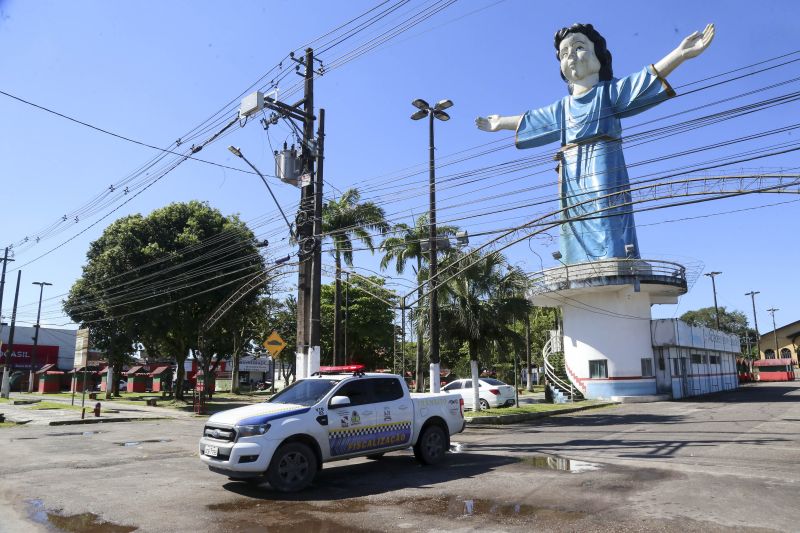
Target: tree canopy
(156, 279)
(369, 323)
(729, 321)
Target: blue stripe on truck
(263, 419)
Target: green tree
(480, 305)
(158, 278)
(282, 318)
(369, 322)
(406, 245)
(343, 220)
(729, 321)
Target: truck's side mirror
(340, 401)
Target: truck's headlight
(252, 431)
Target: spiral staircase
(560, 387)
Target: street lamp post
(41, 285)
(712, 275)
(437, 111)
(774, 329)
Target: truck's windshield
(304, 392)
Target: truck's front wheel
(293, 467)
(431, 445)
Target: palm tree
(480, 304)
(342, 220)
(404, 246)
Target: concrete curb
(103, 420)
(525, 417)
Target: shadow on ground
(392, 472)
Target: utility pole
(305, 226)
(308, 223)
(774, 330)
(3, 279)
(316, 282)
(346, 313)
(752, 295)
(403, 337)
(41, 285)
(712, 275)
(528, 380)
(2, 290)
(6, 384)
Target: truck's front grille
(219, 433)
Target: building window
(713, 359)
(647, 367)
(769, 354)
(697, 359)
(598, 368)
(786, 353)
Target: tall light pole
(752, 295)
(712, 275)
(437, 111)
(41, 285)
(774, 329)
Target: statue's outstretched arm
(692, 46)
(496, 122)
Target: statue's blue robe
(593, 179)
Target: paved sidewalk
(112, 411)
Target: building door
(663, 376)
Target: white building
(614, 350)
(693, 360)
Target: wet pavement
(669, 466)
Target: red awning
(773, 362)
(160, 370)
(45, 368)
(136, 370)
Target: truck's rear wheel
(431, 445)
(292, 468)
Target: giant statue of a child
(593, 180)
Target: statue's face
(578, 61)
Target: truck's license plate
(211, 451)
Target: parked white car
(492, 392)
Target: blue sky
(152, 71)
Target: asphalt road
(730, 462)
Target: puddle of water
(138, 442)
(457, 507)
(549, 462)
(289, 506)
(79, 523)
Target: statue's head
(581, 51)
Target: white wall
(607, 325)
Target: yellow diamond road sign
(274, 343)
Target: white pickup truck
(326, 418)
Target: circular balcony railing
(611, 272)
